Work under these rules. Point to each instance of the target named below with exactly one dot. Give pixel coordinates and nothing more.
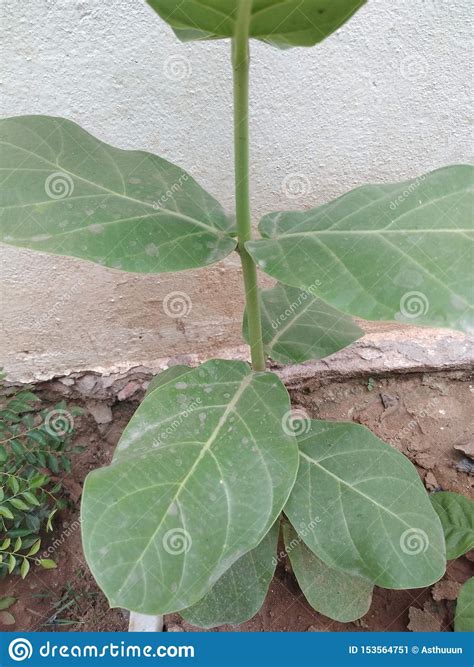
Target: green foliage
(240, 592)
(464, 618)
(341, 596)
(374, 517)
(382, 251)
(283, 24)
(204, 449)
(187, 513)
(35, 447)
(298, 327)
(6, 618)
(129, 210)
(456, 513)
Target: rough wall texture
(385, 98)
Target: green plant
(6, 618)
(464, 616)
(188, 511)
(69, 604)
(35, 445)
(456, 513)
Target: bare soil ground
(427, 417)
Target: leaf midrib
(354, 489)
(376, 203)
(363, 232)
(230, 407)
(290, 324)
(214, 230)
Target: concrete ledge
(387, 349)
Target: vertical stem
(241, 63)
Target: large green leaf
(464, 618)
(65, 192)
(334, 593)
(456, 513)
(284, 23)
(241, 591)
(171, 374)
(298, 326)
(198, 478)
(361, 507)
(399, 251)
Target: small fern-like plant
(186, 516)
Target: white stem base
(144, 623)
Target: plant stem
(241, 65)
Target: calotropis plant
(186, 517)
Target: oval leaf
(7, 602)
(24, 568)
(456, 513)
(336, 594)
(198, 478)
(5, 512)
(464, 618)
(382, 251)
(31, 498)
(284, 23)
(35, 547)
(47, 563)
(361, 507)
(298, 326)
(68, 193)
(6, 618)
(241, 591)
(11, 563)
(18, 504)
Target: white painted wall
(385, 98)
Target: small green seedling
(186, 516)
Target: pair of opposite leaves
(379, 252)
(199, 479)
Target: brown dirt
(424, 416)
